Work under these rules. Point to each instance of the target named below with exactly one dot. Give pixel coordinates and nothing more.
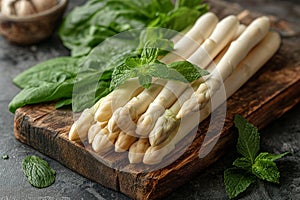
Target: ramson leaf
(248, 140)
(38, 172)
(266, 169)
(237, 181)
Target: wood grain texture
(269, 94)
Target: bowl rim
(61, 4)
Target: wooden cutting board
(270, 93)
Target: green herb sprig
(252, 165)
(147, 66)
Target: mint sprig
(147, 66)
(253, 165)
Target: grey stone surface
(281, 135)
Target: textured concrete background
(281, 135)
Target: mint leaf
(266, 169)
(243, 163)
(248, 140)
(149, 54)
(157, 38)
(271, 157)
(237, 181)
(145, 80)
(120, 74)
(159, 70)
(38, 172)
(188, 70)
(132, 62)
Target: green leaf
(237, 181)
(271, 157)
(188, 70)
(248, 140)
(243, 163)
(5, 157)
(120, 74)
(90, 24)
(63, 102)
(266, 169)
(43, 93)
(188, 3)
(132, 63)
(51, 71)
(145, 80)
(38, 172)
(159, 70)
(149, 55)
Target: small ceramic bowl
(33, 28)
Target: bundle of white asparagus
(150, 122)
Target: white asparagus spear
(124, 118)
(80, 127)
(167, 122)
(238, 50)
(102, 110)
(245, 70)
(92, 132)
(104, 140)
(239, 31)
(202, 28)
(124, 141)
(119, 97)
(221, 36)
(137, 150)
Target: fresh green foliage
(88, 25)
(189, 71)
(85, 79)
(243, 163)
(51, 71)
(98, 57)
(5, 157)
(266, 170)
(271, 157)
(63, 102)
(253, 164)
(147, 66)
(50, 80)
(248, 141)
(237, 181)
(38, 172)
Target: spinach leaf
(90, 24)
(51, 71)
(43, 93)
